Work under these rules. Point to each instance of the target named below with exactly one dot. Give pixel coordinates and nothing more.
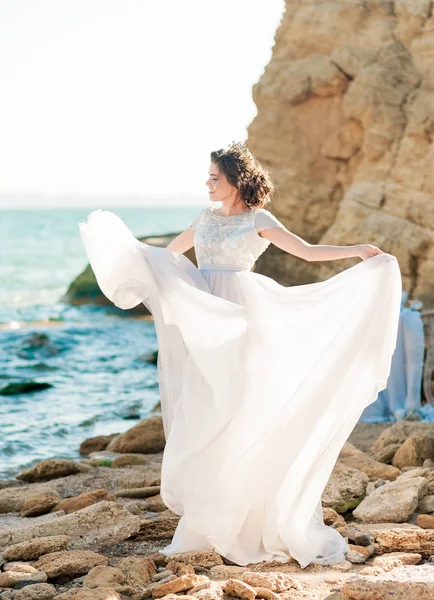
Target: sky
(125, 97)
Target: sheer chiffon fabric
(260, 384)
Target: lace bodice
(231, 240)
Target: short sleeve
(265, 220)
(194, 223)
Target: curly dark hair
(245, 173)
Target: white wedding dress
(260, 384)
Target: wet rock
(35, 548)
(138, 571)
(239, 589)
(395, 501)
(24, 387)
(371, 467)
(70, 505)
(96, 444)
(52, 469)
(414, 451)
(38, 505)
(104, 522)
(345, 489)
(67, 564)
(37, 591)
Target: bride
(260, 384)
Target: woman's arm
(183, 242)
(293, 244)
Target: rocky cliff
(346, 123)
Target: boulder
(104, 522)
(145, 437)
(345, 489)
(67, 564)
(138, 571)
(394, 501)
(361, 172)
(373, 469)
(96, 444)
(52, 469)
(399, 432)
(414, 451)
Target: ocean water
(93, 358)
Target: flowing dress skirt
(260, 385)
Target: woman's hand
(367, 251)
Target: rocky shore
(92, 529)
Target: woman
(260, 384)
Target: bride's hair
(245, 173)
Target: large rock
(344, 121)
(138, 570)
(371, 467)
(104, 522)
(75, 503)
(35, 548)
(406, 583)
(399, 432)
(12, 499)
(394, 501)
(102, 575)
(414, 451)
(146, 436)
(52, 469)
(404, 537)
(69, 563)
(345, 488)
(37, 591)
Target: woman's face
(219, 187)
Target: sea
(93, 361)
